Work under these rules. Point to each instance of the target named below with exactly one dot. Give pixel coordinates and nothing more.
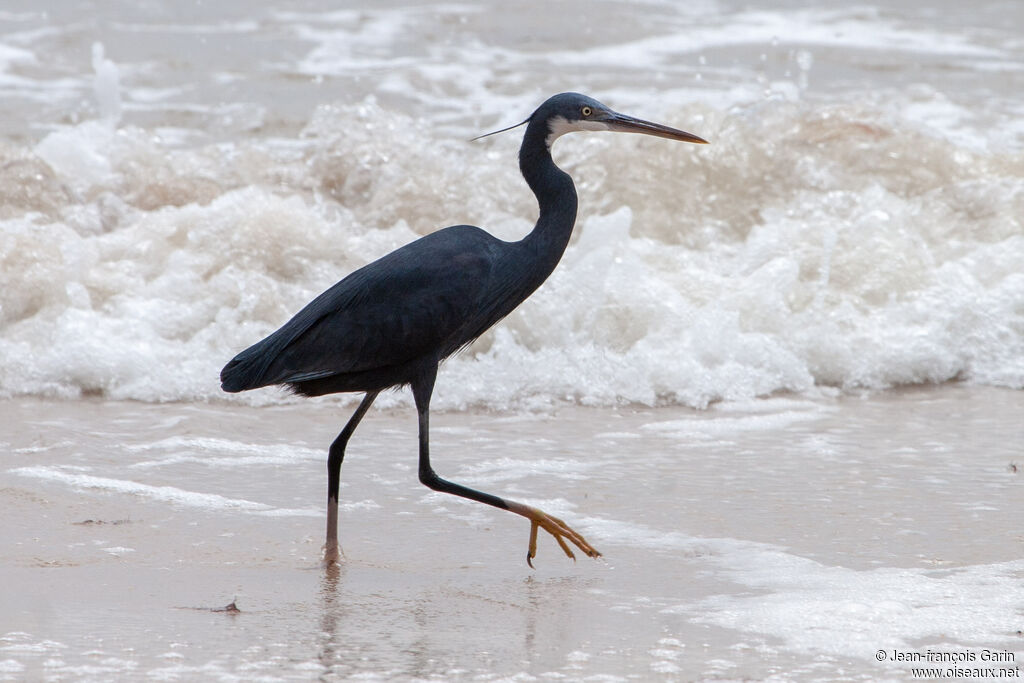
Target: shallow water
(783, 539)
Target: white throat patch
(559, 126)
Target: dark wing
(424, 298)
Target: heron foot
(332, 555)
(554, 526)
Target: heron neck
(556, 198)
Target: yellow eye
(587, 111)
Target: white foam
(11, 56)
(704, 427)
(510, 469)
(106, 85)
(837, 28)
(867, 236)
(613, 531)
(818, 608)
(11, 666)
(833, 287)
(81, 155)
(165, 494)
(209, 451)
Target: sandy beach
(784, 539)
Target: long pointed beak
(627, 124)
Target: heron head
(571, 111)
(568, 112)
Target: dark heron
(392, 322)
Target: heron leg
(334, 459)
(422, 390)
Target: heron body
(392, 322)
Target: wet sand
(783, 539)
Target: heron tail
(237, 376)
(248, 370)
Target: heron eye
(587, 111)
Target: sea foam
(164, 494)
(860, 238)
(805, 247)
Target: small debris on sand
(230, 608)
(89, 522)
